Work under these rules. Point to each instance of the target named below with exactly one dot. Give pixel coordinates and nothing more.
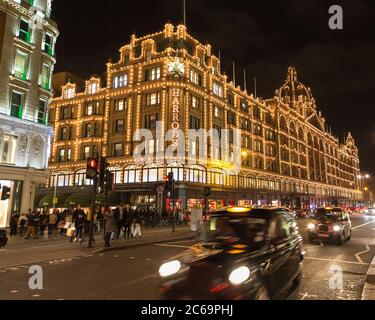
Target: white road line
(339, 261)
(357, 255)
(172, 245)
(362, 225)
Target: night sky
(262, 36)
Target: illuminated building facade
(27, 58)
(288, 155)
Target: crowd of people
(115, 222)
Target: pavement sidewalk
(19, 252)
(369, 289)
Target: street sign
(55, 200)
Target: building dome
(293, 90)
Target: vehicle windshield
(251, 231)
(333, 214)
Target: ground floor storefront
(187, 196)
(23, 184)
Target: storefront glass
(12, 204)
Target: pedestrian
(79, 221)
(52, 222)
(137, 225)
(110, 226)
(43, 222)
(128, 216)
(32, 223)
(13, 223)
(22, 223)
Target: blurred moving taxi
(330, 224)
(248, 253)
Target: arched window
(117, 174)
(241, 180)
(196, 173)
(251, 182)
(80, 179)
(263, 183)
(217, 176)
(301, 136)
(310, 140)
(132, 174)
(152, 173)
(292, 130)
(177, 169)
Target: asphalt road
(132, 273)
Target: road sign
(55, 200)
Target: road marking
(3, 250)
(132, 257)
(14, 291)
(36, 295)
(307, 295)
(148, 259)
(357, 255)
(115, 256)
(172, 245)
(362, 225)
(340, 261)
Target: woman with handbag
(110, 226)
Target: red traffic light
(92, 168)
(92, 163)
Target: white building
(27, 59)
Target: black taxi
(330, 224)
(247, 253)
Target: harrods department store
(288, 155)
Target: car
(330, 224)
(246, 253)
(369, 211)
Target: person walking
(79, 220)
(110, 226)
(128, 217)
(13, 224)
(137, 225)
(22, 223)
(52, 222)
(43, 222)
(32, 223)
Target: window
(244, 106)
(20, 65)
(271, 150)
(195, 77)
(258, 130)
(246, 125)
(256, 112)
(48, 44)
(24, 32)
(118, 150)
(153, 74)
(195, 123)
(193, 148)
(280, 229)
(93, 88)
(69, 93)
(67, 113)
(8, 149)
(64, 133)
(69, 155)
(121, 104)
(258, 146)
(152, 98)
(230, 99)
(16, 109)
(120, 81)
(119, 128)
(217, 89)
(194, 102)
(61, 155)
(150, 121)
(45, 77)
(216, 111)
(42, 111)
(148, 55)
(88, 130)
(86, 152)
(231, 118)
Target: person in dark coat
(79, 220)
(110, 226)
(32, 224)
(128, 218)
(13, 224)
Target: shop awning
(75, 199)
(47, 201)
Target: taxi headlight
(239, 275)
(336, 228)
(169, 268)
(311, 226)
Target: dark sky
(263, 36)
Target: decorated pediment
(316, 122)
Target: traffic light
(92, 168)
(103, 165)
(5, 195)
(169, 182)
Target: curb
(369, 288)
(129, 246)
